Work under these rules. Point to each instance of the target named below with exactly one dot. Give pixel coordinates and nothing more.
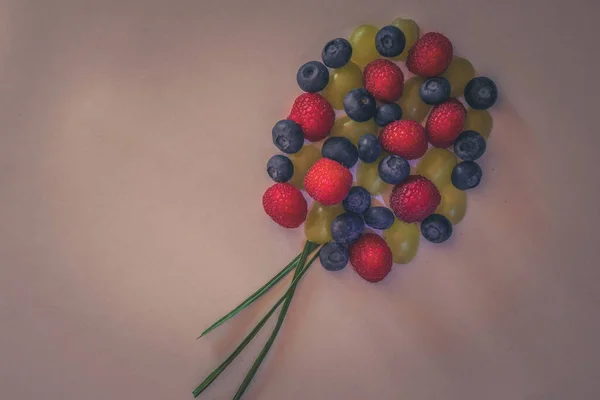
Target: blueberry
(280, 168)
(466, 175)
(387, 113)
(481, 93)
(379, 217)
(435, 90)
(390, 41)
(436, 228)
(336, 53)
(393, 169)
(358, 200)
(288, 136)
(333, 256)
(369, 148)
(341, 150)
(360, 105)
(347, 227)
(469, 146)
(312, 77)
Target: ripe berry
(288, 136)
(404, 138)
(312, 77)
(466, 175)
(314, 115)
(414, 199)
(358, 200)
(347, 227)
(390, 41)
(334, 256)
(359, 105)
(436, 228)
(469, 146)
(435, 90)
(384, 80)
(280, 168)
(285, 205)
(371, 257)
(481, 93)
(336, 53)
(393, 169)
(328, 182)
(445, 122)
(387, 113)
(341, 150)
(430, 55)
(379, 217)
(369, 148)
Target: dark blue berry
(481, 93)
(469, 146)
(369, 148)
(347, 227)
(466, 175)
(288, 136)
(358, 200)
(393, 169)
(333, 256)
(388, 113)
(390, 41)
(336, 53)
(435, 90)
(379, 217)
(280, 168)
(360, 105)
(312, 77)
(341, 150)
(436, 228)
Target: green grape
(411, 33)
(479, 121)
(454, 203)
(341, 81)
(459, 73)
(403, 239)
(303, 160)
(363, 45)
(317, 227)
(412, 106)
(367, 176)
(436, 165)
(353, 130)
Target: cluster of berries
(414, 198)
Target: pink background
(132, 152)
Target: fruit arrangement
(412, 122)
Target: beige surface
(134, 137)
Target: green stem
(308, 248)
(215, 374)
(264, 289)
(281, 317)
(254, 296)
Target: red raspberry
(314, 115)
(430, 55)
(445, 122)
(384, 80)
(328, 181)
(404, 138)
(414, 199)
(371, 257)
(285, 205)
